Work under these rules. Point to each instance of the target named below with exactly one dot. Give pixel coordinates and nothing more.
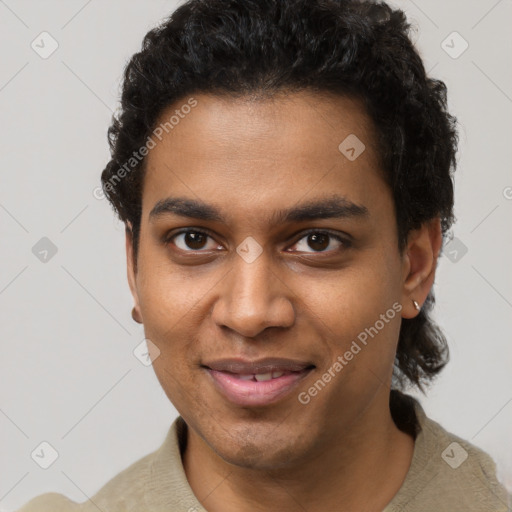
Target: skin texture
(250, 158)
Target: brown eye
(192, 240)
(195, 240)
(321, 241)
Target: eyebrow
(331, 207)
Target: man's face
(253, 290)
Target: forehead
(253, 151)
(280, 118)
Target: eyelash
(344, 241)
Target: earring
(416, 305)
(135, 316)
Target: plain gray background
(69, 375)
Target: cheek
(359, 311)
(353, 298)
(169, 304)
(171, 296)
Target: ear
(419, 265)
(132, 271)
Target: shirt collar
(167, 485)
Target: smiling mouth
(261, 377)
(259, 383)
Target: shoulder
(448, 473)
(466, 470)
(50, 502)
(153, 482)
(124, 492)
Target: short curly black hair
(260, 47)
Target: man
(284, 172)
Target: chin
(259, 458)
(256, 448)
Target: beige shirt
(447, 474)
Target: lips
(256, 383)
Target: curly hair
(260, 47)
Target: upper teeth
(262, 376)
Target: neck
(362, 468)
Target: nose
(253, 297)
